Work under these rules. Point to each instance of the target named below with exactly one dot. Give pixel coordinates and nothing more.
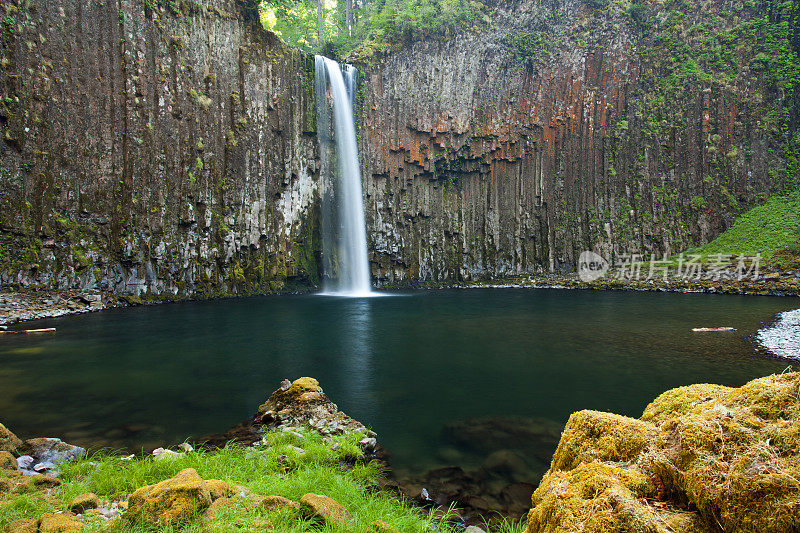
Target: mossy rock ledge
(702, 458)
(302, 403)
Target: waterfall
(344, 234)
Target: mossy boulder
(216, 507)
(44, 482)
(59, 523)
(84, 502)
(323, 508)
(276, 503)
(171, 501)
(303, 390)
(8, 441)
(24, 525)
(593, 497)
(302, 403)
(596, 436)
(703, 458)
(679, 401)
(218, 489)
(7, 461)
(737, 457)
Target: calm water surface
(407, 365)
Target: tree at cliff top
(348, 24)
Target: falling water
(344, 235)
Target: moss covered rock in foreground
(701, 458)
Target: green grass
(320, 469)
(771, 229)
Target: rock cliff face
(168, 147)
(565, 127)
(160, 147)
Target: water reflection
(356, 353)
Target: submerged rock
(702, 458)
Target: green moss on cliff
(771, 229)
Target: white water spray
(344, 231)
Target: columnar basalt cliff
(567, 126)
(155, 147)
(168, 148)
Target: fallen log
(28, 331)
(714, 329)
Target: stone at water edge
(7, 461)
(683, 462)
(304, 404)
(326, 509)
(474, 529)
(84, 502)
(163, 453)
(8, 441)
(50, 450)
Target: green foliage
(378, 24)
(533, 45)
(772, 230)
(640, 15)
(699, 203)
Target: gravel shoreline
(782, 338)
(23, 306)
(32, 304)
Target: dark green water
(406, 365)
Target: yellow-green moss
(303, 389)
(733, 454)
(593, 497)
(170, 502)
(596, 436)
(677, 402)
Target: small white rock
(161, 453)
